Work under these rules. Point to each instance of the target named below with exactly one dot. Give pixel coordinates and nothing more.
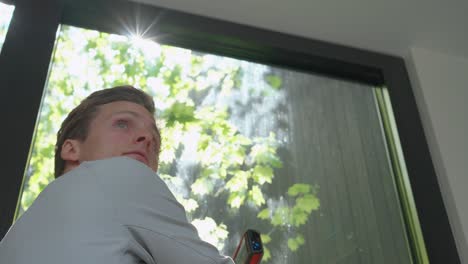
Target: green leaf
(265, 155)
(242, 140)
(308, 203)
(256, 196)
(300, 239)
(202, 186)
(298, 188)
(275, 162)
(155, 69)
(204, 142)
(262, 174)
(264, 214)
(238, 182)
(298, 217)
(207, 172)
(295, 243)
(172, 77)
(266, 254)
(274, 81)
(292, 244)
(180, 113)
(237, 156)
(265, 238)
(190, 205)
(281, 216)
(236, 199)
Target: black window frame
(28, 47)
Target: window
(6, 12)
(300, 157)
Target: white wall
(440, 84)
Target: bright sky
(6, 11)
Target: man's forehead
(133, 113)
(128, 108)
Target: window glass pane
(301, 158)
(6, 12)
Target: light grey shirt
(115, 211)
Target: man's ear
(70, 151)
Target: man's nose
(143, 136)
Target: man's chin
(138, 157)
(141, 159)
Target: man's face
(121, 128)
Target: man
(107, 205)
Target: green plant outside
(187, 87)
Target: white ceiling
(387, 26)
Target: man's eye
(121, 124)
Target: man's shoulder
(111, 171)
(111, 166)
(99, 182)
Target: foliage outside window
(209, 156)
